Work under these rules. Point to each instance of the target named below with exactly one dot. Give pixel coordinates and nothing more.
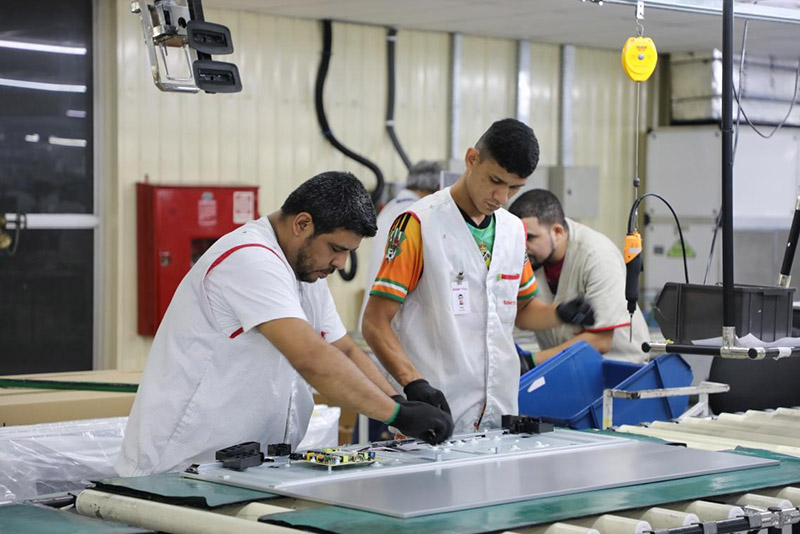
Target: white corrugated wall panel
(421, 120)
(128, 350)
(544, 101)
(356, 116)
(487, 86)
(422, 67)
(266, 135)
(604, 122)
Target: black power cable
(391, 38)
(322, 73)
(738, 96)
(632, 225)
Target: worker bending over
(577, 261)
(443, 329)
(251, 322)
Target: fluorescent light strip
(76, 113)
(65, 141)
(42, 86)
(37, 47)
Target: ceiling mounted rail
(714, 7)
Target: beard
(539, 264)
(305, 265)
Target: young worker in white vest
(455, 280)
(250, 327)
(577, 261)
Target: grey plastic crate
(687, 312)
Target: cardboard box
(27, 406)
(53, 406)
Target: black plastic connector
(522, 424)
(279, 449)
(209, 38)
(240, 457)
(216, 76)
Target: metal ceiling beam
(714, 7)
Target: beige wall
(267, 135)
(604, 123)
(487, 86)
(544, 101)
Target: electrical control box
(684, 166)
(577, 189)
(175, 226)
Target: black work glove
(526, 361)
(576, 311)
(423, 421)
(420, 390)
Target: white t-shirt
(266, 295)
(212, 380)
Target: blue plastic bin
(567, 390)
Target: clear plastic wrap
(323, 428)
(53, 457)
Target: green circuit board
(335, 457)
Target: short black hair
(335, 199)
(512, 144)
(539, 203)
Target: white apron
(204, 390)
(470, 356)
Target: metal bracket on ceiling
(179, 25)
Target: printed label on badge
(460, 297)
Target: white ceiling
(545, 21)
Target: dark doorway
(47, 189)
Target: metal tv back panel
(496, 470)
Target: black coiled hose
(322, 73)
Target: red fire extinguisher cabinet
(175, 225)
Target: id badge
(459, 293)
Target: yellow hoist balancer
(639, 58)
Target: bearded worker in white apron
(250, 327)
(455, 280)
(575, 260)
